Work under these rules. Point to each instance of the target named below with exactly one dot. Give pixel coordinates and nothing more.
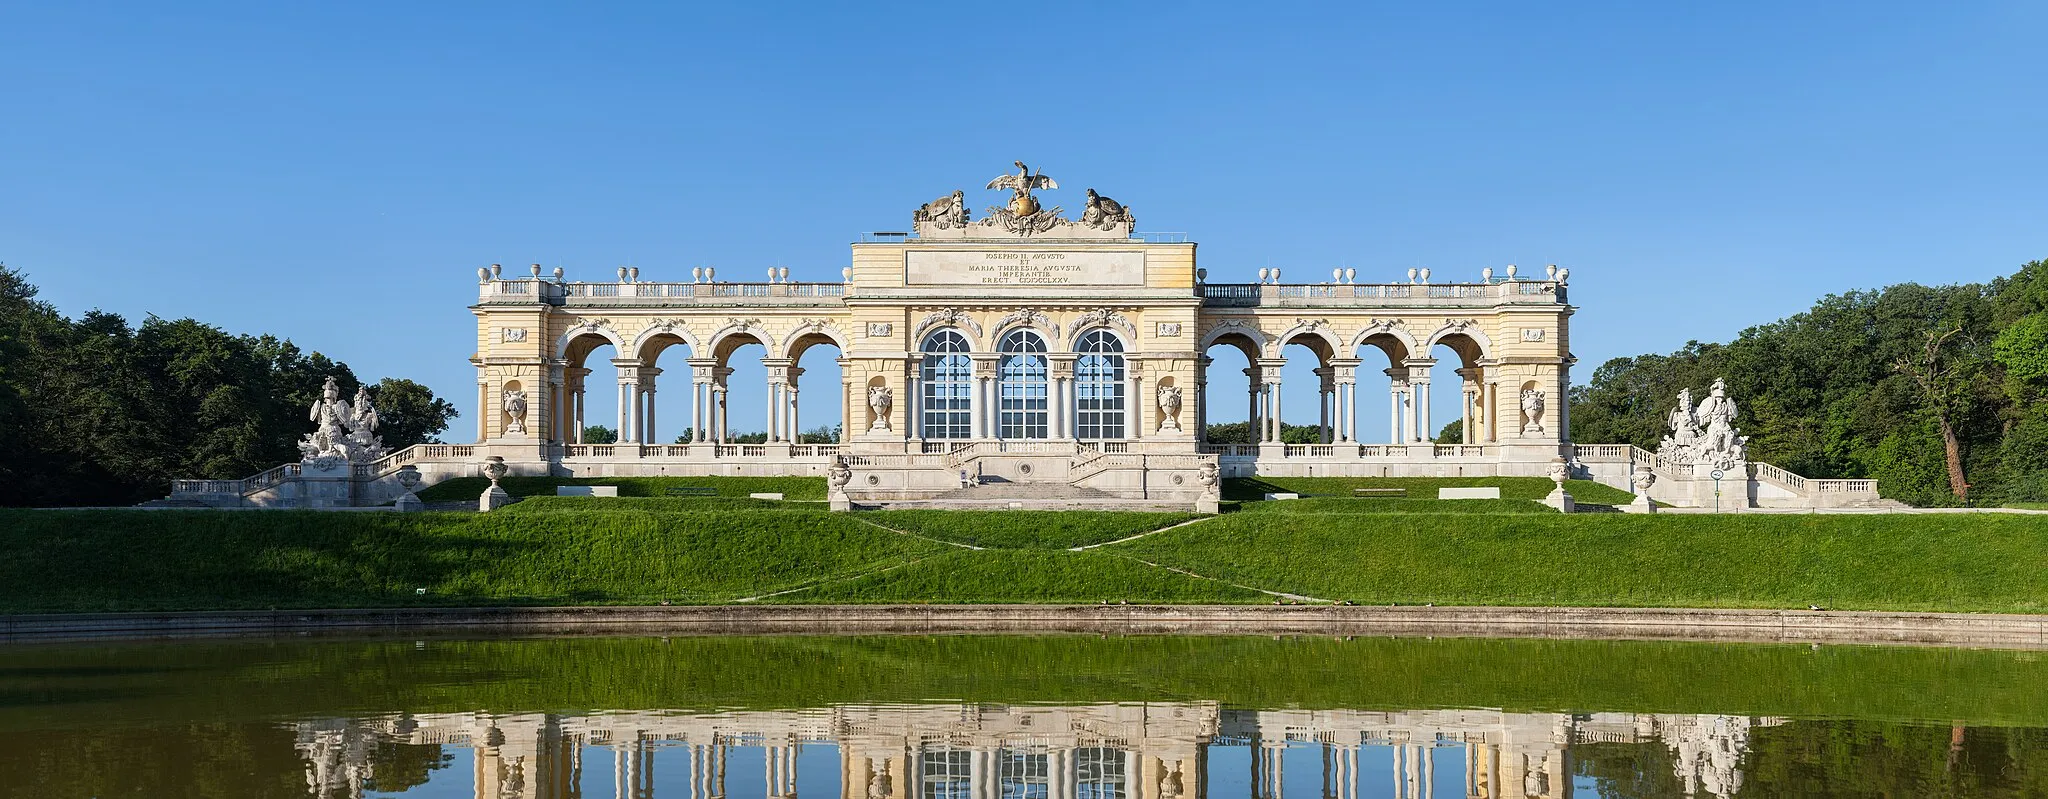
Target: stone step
(1004, 490)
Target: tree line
(96, 411)
(1935, 391)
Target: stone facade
(1020, 347)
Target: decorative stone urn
(1559, 498)
(836, 477)
(494, 497)
(1169, 408)
(1642, 480)
(409, 479)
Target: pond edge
(1696, 624)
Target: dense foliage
(1936, 391)
(94, 411)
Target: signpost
(1716, 474)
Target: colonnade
(709, 420)
(1409, 389)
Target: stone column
(1492, 413)
(648, 375)
(1397, 399)
(1254, 424)
(720, 429)
(1199, 410)
(796, 426)
(578, 381)
(913, 426)
(1423, 429)
(701, 370)
(1326, 398)
(629, 397)
(557, 395)
(1136, 400)
(483, 410)
(1474, 415)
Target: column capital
(1420, 363)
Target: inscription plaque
(1024, 268)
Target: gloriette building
(1055, 356)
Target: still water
(1017, 717)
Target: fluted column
(796, 425)
(1254, 424)
(1201, 399)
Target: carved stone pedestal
(1561, 500)
(1641, 504)
(494, 497)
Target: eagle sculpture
(1021, 202)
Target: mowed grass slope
(649, 547)
(1025, 529)
(1961, 562)
(177, 560)
(1027, 576)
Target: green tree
(600, 434)
(409, 413)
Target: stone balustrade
(656, 295)
(1419, 295)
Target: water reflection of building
(1117, 751)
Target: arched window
(1099, 387)
(948, 379)
(1022, 375)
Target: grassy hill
(652, 548)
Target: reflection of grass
(1963, 562)
(2028, 505)
(121, 685)
(1025, 529)
(469, 488)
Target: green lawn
(1025, 529)
(1964, 562)
(1024, 575)
(171, 560)
(646, 549)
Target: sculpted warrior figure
(943, 213)
(880, 399)
(364, 444)
(515, 407)
(1103, 213)
(330, 416)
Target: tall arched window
(948, 379)
(1022, 375)
(1099, 387)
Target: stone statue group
(342, 430)
(1704, 435)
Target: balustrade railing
(1765, 471)
(1843, 486)
(1247, 294)
(538, 290)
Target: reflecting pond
(1017, 717)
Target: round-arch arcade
(1077, 351)
(1023, 346)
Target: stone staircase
(1006, 490)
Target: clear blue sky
(335, 173)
